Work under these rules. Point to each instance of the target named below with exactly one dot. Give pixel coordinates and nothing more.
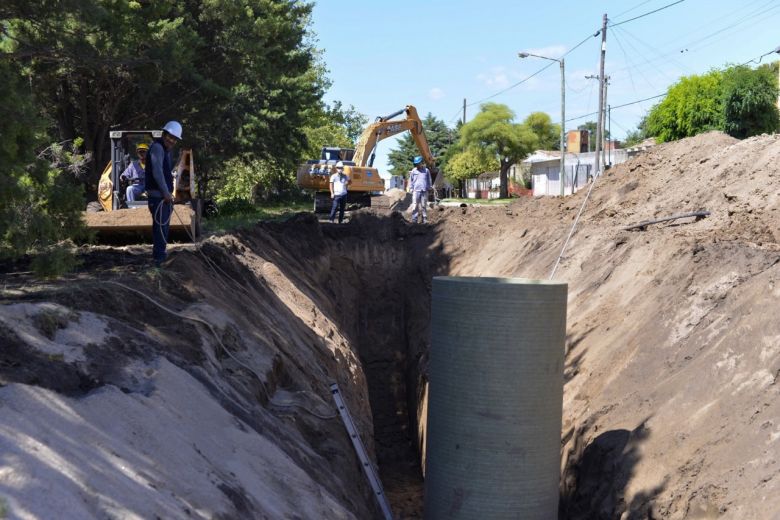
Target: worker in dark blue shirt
(159, 187)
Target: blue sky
(432, 54)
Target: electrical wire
(535, 73)
(757, 12)
(512, 86)
(640, 4)
(647, 14)
(648, 61)
(225, 349)
(573, 227)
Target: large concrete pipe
(496, 398)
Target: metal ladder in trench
(368, 468)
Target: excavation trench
(384, 303)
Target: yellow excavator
(366, 183)
(112, 215)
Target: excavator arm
(385, 127)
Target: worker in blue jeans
(338, 191)
(159, 187)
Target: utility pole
(604, 132)
(609, 131)
(600, 125)
(563, 127)
(562, 174)
(464, 111)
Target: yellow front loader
(112, 215)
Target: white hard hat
(339, 164)
(173, 128)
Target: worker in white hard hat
(338, 191)
(159, 187)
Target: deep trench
(391, 291)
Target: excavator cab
(331, 153)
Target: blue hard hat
(418, 159)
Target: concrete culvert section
(495, 397)
(111, 406)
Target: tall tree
(40, 198)
(439, 138)
(738, 100)
(240, 76)
(548, 133)
(470, 163)
(493, 129)
(749, 101)
(691, 106)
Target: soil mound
(202, 390)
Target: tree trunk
(503, 174)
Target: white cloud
(497, 77)
(436, 93)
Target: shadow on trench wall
(373, 278)
(594, 481)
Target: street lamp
(563, 110)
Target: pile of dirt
(206, 394)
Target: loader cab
(123, 144)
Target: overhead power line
(647, 13)
(617, 106)
(640, 4)
(510, 87)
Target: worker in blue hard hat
(159, 187)
(419, 184)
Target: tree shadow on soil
(594, 481)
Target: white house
(545, 167)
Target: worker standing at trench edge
(338, 192)
(159, 187)
(419, 184)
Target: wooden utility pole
(464, 111)
(600, 124)
(604, 121)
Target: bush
(255, 181)
(41, 198)
(749, 97)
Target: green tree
(692, 105)
(471, 162)
(247, 179)
(749, 101)
(332, 126)
(349, 119)
(439, 138)
(493, 129)
(40, 197)
(240, 76)
(549, 134)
